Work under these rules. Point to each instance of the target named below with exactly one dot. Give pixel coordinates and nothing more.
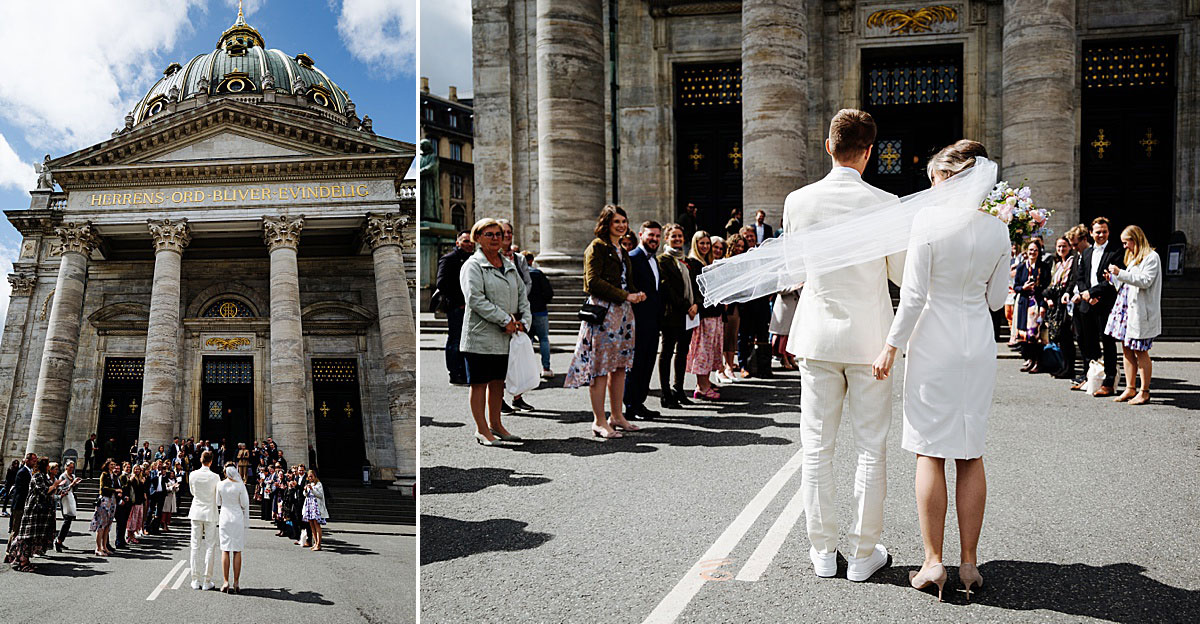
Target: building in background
(448, 124)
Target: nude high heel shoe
(934, 574)
(969, 575)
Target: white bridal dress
(950, 284)
(235, 511)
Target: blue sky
(71, 69)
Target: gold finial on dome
(240, 35)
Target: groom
(841, 322)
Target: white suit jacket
(1144, 320)
(844, 315)
(203, 483)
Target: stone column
(159, 413)
(49, 419)
(570, 93)
(12, 350)
(384, 234)
(1038, 91)
(289, 423)
(774, 105)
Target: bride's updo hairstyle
(955, 158)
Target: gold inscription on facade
(198, 196)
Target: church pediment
(225, 145)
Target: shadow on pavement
(1174, 392)
(451, 480)
(306, 597)
(65, 567)
(460, 538)
(344, 548)
(428, 421)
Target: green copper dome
(243, 67)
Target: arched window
(228, 308)
(458, 216)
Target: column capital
(80, 238)
(385, 229)
(22, 284)
(282, 231)
(170, 235)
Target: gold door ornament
(227, 344)
(1148, 142)
(112, 405)
(913, 20)
(735, 156)
(890, 156)
(349, 410)
(696, 157)
(324, 410)
(1101, 144)
(133, 406)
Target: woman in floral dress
(604, 352)
(706, 352)
(1136, 317)
(315, 512)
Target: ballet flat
(969, 575)
(934, 574)
(482, 439)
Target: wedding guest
(232, 523)
(243, 460)
(1032, 277)
(496, 309)
(106, 508)
(731, 371)
(1136, 318)
(687, 221)
(1081, 241)
(718, 247)
(604, 352)
(734, 223)
(1058, 314)
(10, 480)
(1010, 302)
(647, 316)
(314, 512)
(453, 304)
(1097, 296)
(509, 251)
(66, 494)
(35, 533)
(762, 231)
(754, 327)
(20, 490)
(133, 523)
(90, 448)
(628, 241)
(161, 453)
(678, 306)
(540, 296)
(705, 352)
(169, 504)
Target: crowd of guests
(1069, 309)
(294, 500)
(1076, 303)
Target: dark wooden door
(708, 142)
(120, 404)
(1128, 136)
(915, 97)
(227, 400)
(337, 412)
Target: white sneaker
(208, 586)
(824, 564)
(195, 585)
(861, 568)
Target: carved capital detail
(22, 285)
(385, 229)
(282, 231)
(170, 235)
(80, 238)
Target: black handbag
(593, 313)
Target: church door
(708, 142)
(915, 96)
(1128, 143)
(120, 404)
(227, 401)
(337, 411)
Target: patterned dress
(604, 348)
(312, 510)
(1118, 322)
(704, 354)
(36, 531)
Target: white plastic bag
(1095, 377)
(524, 369)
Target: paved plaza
(1092, 510)
(364, 573)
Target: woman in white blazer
(1136, 317)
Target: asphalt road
(1092, 511)
(364, 573)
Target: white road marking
(762, 556)
(182, 577)
(674, 603)
(166, 579)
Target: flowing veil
(859, 236)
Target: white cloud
(14, 172)
(380, 33)
(73, 68)
(446, 46)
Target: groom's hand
(882, 367)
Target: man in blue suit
(646, 315)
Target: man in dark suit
(687, 221)
(124, 506)
(21, 492)
(1096, 298)
(89, 456)
(453, 303)
(173, 451)
(753, 340)
(677, 296)
(646, 317)
(144, 454)
(158, 494)
(762, 231)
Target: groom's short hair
(850, 134)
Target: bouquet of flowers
(1015, 207)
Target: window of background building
(456, 186)
(458, 216)
(429, 114)
(456, 151)
(453, 120)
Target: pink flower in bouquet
(1006, 213)
(1039, 216)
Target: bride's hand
(883, 364)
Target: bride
(944, 323)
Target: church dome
(242, 67)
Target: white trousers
(204, 550)
(825, 388)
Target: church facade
(229, 266)
(653, 104)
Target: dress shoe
(1104, 391)
(861, 568)
(824, 564)
(932, 575)
(505, 408)
(669, 402)
(645, 413)
(507, 437)
(482, 439)
(682, 397)
(1064, 374)
(458, 381)
(520, 404)
(1078, 385)
(969, 575)
(547, 373)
